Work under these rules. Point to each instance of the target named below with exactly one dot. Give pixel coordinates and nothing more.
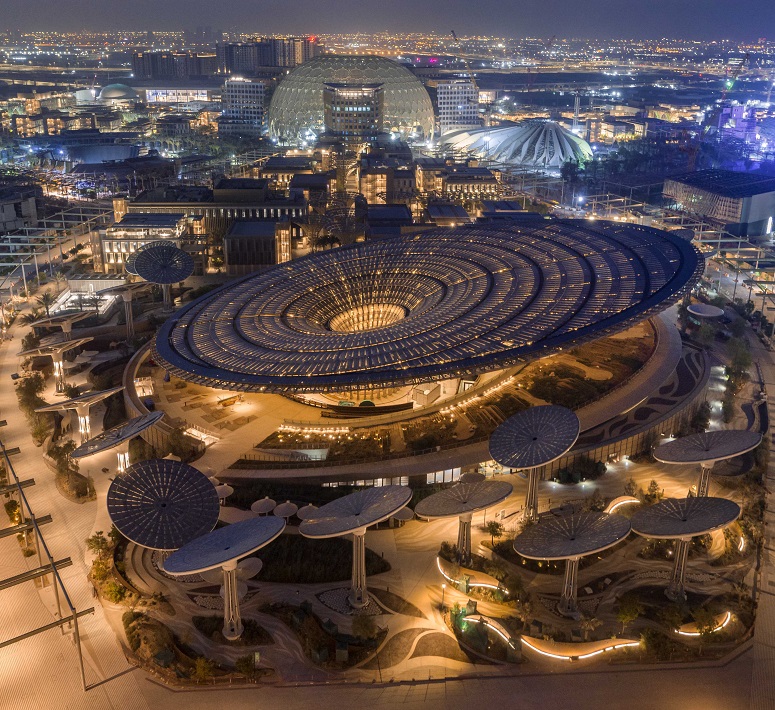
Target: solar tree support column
(67, 330)
(59, 372)
(123, 458)
(675, 590)
(464, 538)
(359, 595)
(166, 290)
(128, 317)
(704, 482)
(232, 622)
(567, 605)
(84, 425)
(531, 498)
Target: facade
(458, 105)
(243, 107)
(173, 65)
(297, 111)
(248, 57)
(133, 231)
(18, 209)
(353, 112)
(220, 206)
(252, 245)
(742, 203)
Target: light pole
(443, 590)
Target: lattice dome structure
(296, 110)
(536, 143)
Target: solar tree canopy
(117, 435)
(447, 303)
(129, 264)
(534, 437)
(356, 511)
(708, 446)
(463, 498)
(61, 318)
(684, 517)
(705, 310)
(163, 264)
(55, 347)
(224, 545)
(162, 504)
(571, 536)
(81, 400)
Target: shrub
(114, 592)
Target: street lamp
(443, 590)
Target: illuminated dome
(296, 110)
(415, 308)
(539, 144)
(117, 92)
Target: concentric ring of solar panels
(163, 263)
(163, 504)
(476, 298)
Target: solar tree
(681, 519)
(531, 439)
(569, 538)
(352, 514)
(222, 549)
(81, 404)
(56, 350)
(462, 501)
(164, 264)
(706, 448)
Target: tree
(654, 492)
(364, 626)
(246, 666)
(705, 334)
(630, 608)
(203, 669)
(29, 318)
(671, 616)
(631, 487)
(588, 625)
(98, 544)
(706, 623)
(46, 300)
(495, 529)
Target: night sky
(700, 19)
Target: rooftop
(728, 183)
(152, 219)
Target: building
(243, 107)
(383, 182)
(219, 207)
(173, 65)
(741, 203)
(249, 57)
(353, 112)
(18, 209)
(297, 110)
(458, 105)
(252, 245)
(132, 231)
(280, 170)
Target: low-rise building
(252, 245)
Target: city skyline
(685, 19)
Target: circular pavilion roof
(117, 92)
(684, 517)
(708, 446)
(535, 437)
(570, 536)
(416, 308)
(117, 435)
(163, 264)
(537, 143)
(472, 477)
(224, 545)
(705, 310)
(356, 511)
(263, 505)
(463, 498)
(162, 504)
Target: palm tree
(46, 300)
(29, 318)
(59, 277)
(589, 624)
